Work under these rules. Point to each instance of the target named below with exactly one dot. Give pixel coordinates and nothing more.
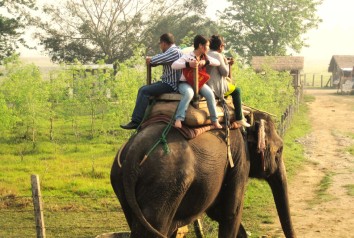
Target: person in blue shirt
(168, 83)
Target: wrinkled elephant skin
(170, 190)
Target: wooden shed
(292, 64)
(341, 67)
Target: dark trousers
(142, 100)
(236, 99)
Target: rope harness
(227, 132)
(162, 140)
(261, 146)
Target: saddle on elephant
(167, 104)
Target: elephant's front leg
(232, 198)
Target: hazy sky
(334, 36)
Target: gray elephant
(170, 190)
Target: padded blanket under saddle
(194, 117)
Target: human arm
(210, 61)
(168, 56)
(184, 62)
(223, 68)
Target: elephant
(164, 186)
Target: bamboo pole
(196, 88)
(38, 206)
(148, 74)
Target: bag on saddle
(203, 76)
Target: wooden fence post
(321, 80)
(304, 80)
(313, 80)
(38, 206)
(198, 228)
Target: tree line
(91, 30)
(76, 105)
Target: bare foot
(178, 124)
(243, 123)
(217, 125)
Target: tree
(184, 22)
(89, 30)
(25, 92)
(12, 24)
(6, 116)
(268, 27)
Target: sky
(334, 36)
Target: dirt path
(332, 213)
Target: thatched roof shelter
(341, 62)
(278, 63)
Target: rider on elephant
(168, 83)
(219, 82)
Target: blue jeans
(142, 100)
(187, 95)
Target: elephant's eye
(280, 151)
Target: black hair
(168, 38)
(198, 39)
(216, 41)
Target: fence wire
(79, 217)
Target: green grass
(350, 149)
(322, 194)
(74, 168)
(350, 189)
(325, 183)
(74, 177)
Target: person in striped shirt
(168, 83)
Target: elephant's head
(265, 146)
(265, 150)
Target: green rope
(162, 139)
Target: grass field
(79, 201)
(74, 170)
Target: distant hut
(341, 67)
(292, 64)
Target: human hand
(148, 60)
(193, 64)
(201, 63)
(231, 61)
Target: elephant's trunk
(278, 184)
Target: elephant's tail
(129, 183)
